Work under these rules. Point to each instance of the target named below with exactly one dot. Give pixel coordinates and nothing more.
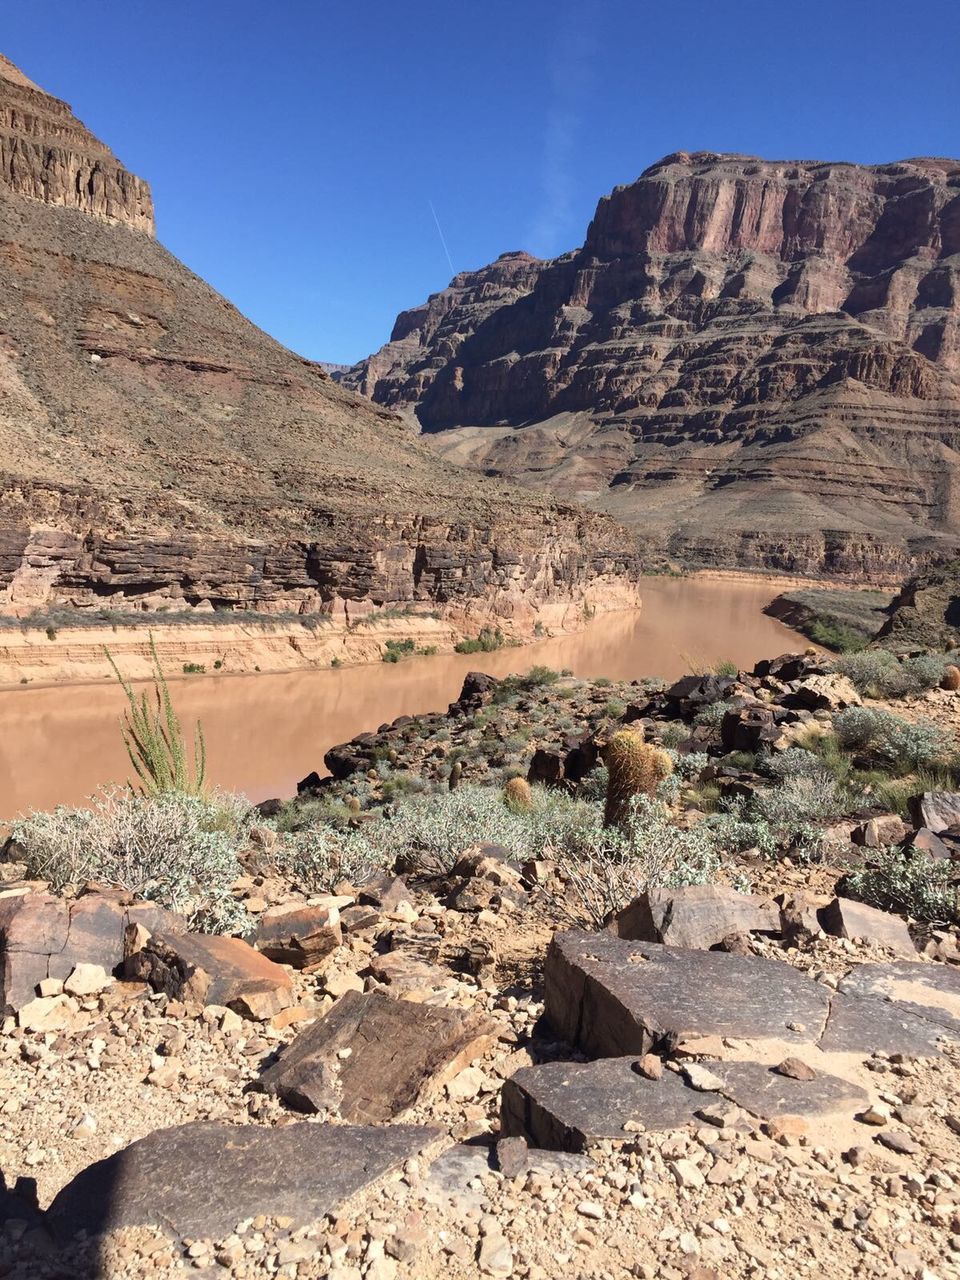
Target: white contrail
(443, 239)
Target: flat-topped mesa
(47, 154)
(756, 363)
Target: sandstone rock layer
(756, 363)
(159, 450)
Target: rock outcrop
(926, 612)
(755, 363)
(159, 451)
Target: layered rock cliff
(158, 450)
(754, 363)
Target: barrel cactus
(518, 796)
(634, 767)
(950, 678)
(456, 773)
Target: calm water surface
(264, 732)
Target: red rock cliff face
(754, 363)
(158, 450)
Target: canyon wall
(158, 451)
(752, 363)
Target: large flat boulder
(845, 918)
(372, 1056)
(611, 997)
(927, 991)
(202, 969)
(200, 1180)
(868, 1025)
(572, 1106)
(698, 916)
(44, 936)
(766, 1092)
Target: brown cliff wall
(747, 359)
(159, 451)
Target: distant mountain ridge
(753, 363)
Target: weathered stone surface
(199, 1180)
(766, 1092)
(372, 1057)
(929, 991)
(202, 969)
(724, 362)
(823, 693)
(44, 936)
(610, 997)
(698, 916)
(748, 728)
(888, 828)
(571, 1106)
(935, 810)
(300, 936)
(928, 842)
(844, 918)
(858, 1025)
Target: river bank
(266, 730)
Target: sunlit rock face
(158, 450)
(755, 363)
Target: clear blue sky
(294, 146)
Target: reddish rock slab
(372, 1057)
(610, 997)
(301, 936)
(845, 918)
(202, 969)
(698, 916)
(200, 1180)
(44, 936)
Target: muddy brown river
(264, 732)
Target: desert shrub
(726, 668)
(606, 867)
(899, 743)
(795, 762)
(634, 767)
(194, 669)
(672, 733)
(799, 800)
(594, 785)
(711, 715)
(878, 673)
(690, 766)
(178, 850)
(908, 881)
(614, 708)
(317, 858)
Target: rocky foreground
(451, 1070)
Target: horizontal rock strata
(159, 451)
(755, 362)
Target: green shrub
(487, 641)
(194, 669)
(178, 850)
(878, 673)
(835, 635)
(908, 881)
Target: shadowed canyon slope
(157, 448)
(754, 363)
